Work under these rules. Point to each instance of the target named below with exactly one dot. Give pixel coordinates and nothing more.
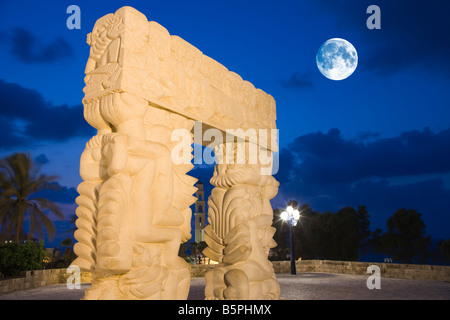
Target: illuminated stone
(134, 206)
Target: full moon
(337, 59)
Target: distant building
(200, 213)
(53, 255)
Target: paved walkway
(303, 286)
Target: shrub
(15, 258)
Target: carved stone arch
(143, 85)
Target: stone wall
(39, 278)
(388, 270)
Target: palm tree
(19, 181)
(66, 243)
(73, 218)
(197, 249)
(68, 254)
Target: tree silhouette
(66, 243)
(444, 250)
(197, 248)
(405, 239)
(333, 236)
(19, 181)
(68, 255)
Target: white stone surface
(134, 206)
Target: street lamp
(291, 216)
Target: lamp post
(291, 216)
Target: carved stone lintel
(130, 54)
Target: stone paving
(303, 286)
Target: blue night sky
(380, 138)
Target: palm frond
(19, 212)
(19, 180)
(42, 182)
(49, 205)
(41, 221)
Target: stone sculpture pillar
(142, 85)
(239, 234)
(134, 202)
(133, 209)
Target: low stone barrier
(388, 270)
(39, 278)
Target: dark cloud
(58, 194)
(29, 49)
(329, 172)
(329, 158)
(297, 81)
(19, 102)
(382, 198)
(59, 124)
(413, 33)
(39, 120)
(8, 134)
(367, 136)
(41, 159)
